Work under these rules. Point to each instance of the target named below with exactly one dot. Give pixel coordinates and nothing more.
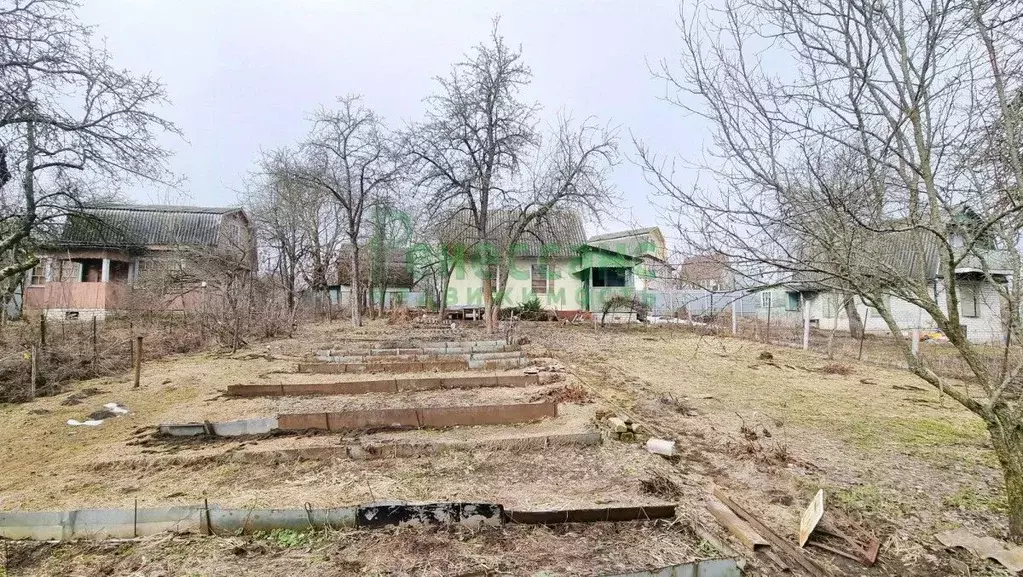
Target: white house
(980, 304)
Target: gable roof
(623, 233)
(633, 242)
(560, 233)
(891, 255)
(140, 226)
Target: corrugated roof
(560, 233)
(894, 255)
(130, 225)
(635, 242)
(623, 234)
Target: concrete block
(247, 521)
(244, 427)
(302, 421)
(363, 387)
(497, 355)
(708, 568)
(183, 429)
(467, 382)
(303, 389)
(588, 439)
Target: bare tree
(298, 226)
(349, 156)
(905, 91)
(278, 206)
(64, 108)
(480, 151)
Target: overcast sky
(242, 76)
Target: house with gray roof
(108, 255)
(892, 258)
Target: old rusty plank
(789, 550)
(302, 421)
(610, 514)
(518, 380)
(487, 415)
(373, 418)
(254, 390)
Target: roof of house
(634, 242)
(704, 267)
(623, 233)
(136, 225)
(900, 254)
(560, 233)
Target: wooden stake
(806, 323)
(95, 349)
(34, 373)
(863, 334)
(138, 360)
(42, 330)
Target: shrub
(622, 303)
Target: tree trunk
(383, 294)
(356, 283)
(1007, 441)
(488, 301)
(442, 304)
(855, 323)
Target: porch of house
(80, 285)
(605, 274)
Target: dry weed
(566, 394)
(680, 406)
(836, 369)
(660, 485)
(399, 316)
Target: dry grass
(595, 549)
(189, 388)
(838, 429)
(837, 369)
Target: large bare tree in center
(349, 156)
(480, 151)
(921, 101)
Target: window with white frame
(539, 278)
(968, 301)
(37, 276)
